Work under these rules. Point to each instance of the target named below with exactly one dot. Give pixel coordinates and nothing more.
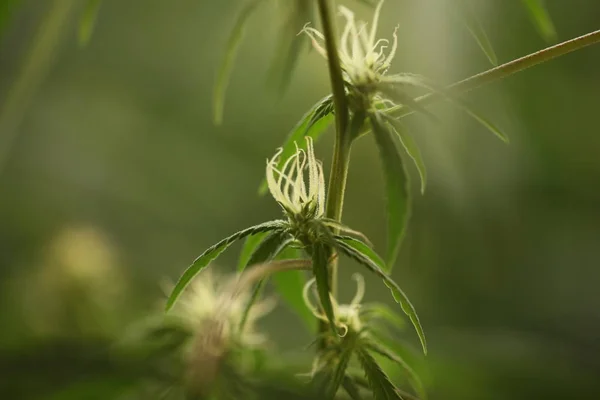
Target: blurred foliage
(501, 258)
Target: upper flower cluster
(362, 55)
(290, 188)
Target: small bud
(289, 186)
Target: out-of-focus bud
(77, 286)
(212, 308)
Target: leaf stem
(504, 70)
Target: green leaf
(421, 81)
(270, 247)
(88, 21)
(312, 124)
(290, 285)
(354, 250)
(224, 71)
(348, 346)
(250, 245)
(333, 362)
(483, 121)
(351, 388)
(476, 30)
(290, 43)
(391, 90)
(362, 248)
(380, 384)
(321, 273)
(339, 227)
(414, 379)
(213, 252)
(541, 18)
(381, 311)
(410, 146)
(396, 188)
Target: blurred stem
(504, 70)
(341, 147)
(33, 70)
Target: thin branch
(504, 70)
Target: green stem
(341, 147)
(335, 70)
(504, 70)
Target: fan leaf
(213, 252)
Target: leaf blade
(411, 148)
(226, 66)
(479, 34)
(250, 245)
(405, 99)
(541, 18)
(397, 190)
(421, 81)
(414, 378)
(268, 249)
(88, 21)
(374, 265)
(379, 382)
(321, 274)
(351, 388)
(213, 252)
(290, 44)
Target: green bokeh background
(109, 160)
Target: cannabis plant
(310, 236)
(207, 344)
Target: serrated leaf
(398, 96)
(250, 245)
(375, 265)
(541, 18)
(290, 43)
(414, 379)
(321, 274)
(333, 362)
(268, 249)
(476, 30)
(410, 146)
(312, 124)
(351, 388)
(362, 248)
(381, 311)
(485, 122)
(396, 188)
(341, 228)
(290, 284)
(421, 81)
(224, 70)
(272, 244)
(379, 382)
(88, 21)
(213, 252)
(348, 345)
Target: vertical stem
(341, 147)
(335, 70)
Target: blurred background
(113, 178)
